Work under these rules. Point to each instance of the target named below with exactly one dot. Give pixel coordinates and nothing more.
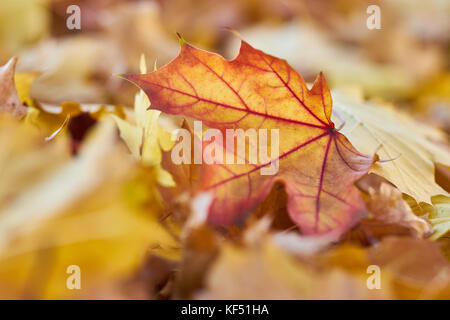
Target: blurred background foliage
(405, 61)
(108, 219)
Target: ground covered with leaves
(354, 205)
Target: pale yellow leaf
(145, 137)
(412, 148)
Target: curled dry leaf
(438, 213)
(9, 99)
(440, 216)
(256, 90)
(388, 210)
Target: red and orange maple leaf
(317, 164)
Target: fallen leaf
(409, 147)
(22, 23)
(259, 91)
(440, 216)
(9, 99)
(389, 209)
(342, 64)
(146, 137)
(73, 69)
(438, 213)
(25, 158)
(408, 269)
(176, 198)
(418, 268)
(23, 82)
(74, 117)
(81, 211)
(269, 273)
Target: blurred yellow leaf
(22, 22)
(54, 119)
(23, 83)
(408, 269)
(78, 211)
(269, 273)
(25, 158)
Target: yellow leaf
(54, 118)
(57, 211)
(437, 213)
(145, 138)
(408, 145)
(410, 269)
(269, 273)
(23, 83)
(25, 158)
(21, 23)
(440, 216)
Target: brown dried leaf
(9, 99)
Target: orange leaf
(317, 164)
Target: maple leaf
(344, 64)
(317, 164)
(376, 127)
